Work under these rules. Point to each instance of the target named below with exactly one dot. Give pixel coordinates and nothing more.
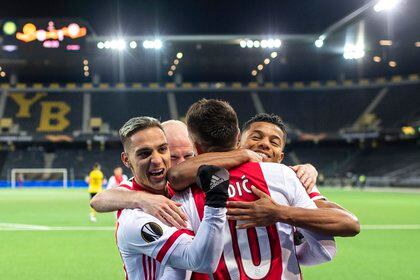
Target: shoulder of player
(129, 217)
(278, 167)
(126, 184)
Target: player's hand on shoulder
(307, 175)
(253, 156)
(164, 209)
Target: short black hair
(268, 118)
(213, 123)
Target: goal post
(39, 177)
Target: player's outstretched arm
(265, 211)
(158, 206)
(183, 174)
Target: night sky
(175, 17)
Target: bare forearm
(183, 174)
(115, 199)
(320, 203)
(332, 221)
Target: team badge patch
(151, 232)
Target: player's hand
(307, 175)
(166, 210)
(261, 212)
(214, 181)
(253, 156)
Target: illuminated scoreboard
(40, 34)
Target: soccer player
(181, 149)
(116, 179)
(259, 252)
(146, 244)
(95, 181)
(266, 135)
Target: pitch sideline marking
(23, 227)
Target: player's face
(118, 171)
(149, 158)
(181, 150)
(265, 139)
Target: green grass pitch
(82, 253)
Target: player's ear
(198, 148)
(238, 140)
(124, 159)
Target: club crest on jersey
(151, 232)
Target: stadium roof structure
(236, 41)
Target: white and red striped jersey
(151, 249)
(261, 252)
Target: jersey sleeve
(202, 254)
(315, 194)
(141, 233)
(170, 273)
(188, 206)
(316, 249)
(282, 180)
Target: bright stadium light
(2, 74)
(133, 44)
(119, 44)
(256, 44)
(260, 67)
(100, 45)
(377, 59)
(179, 55)
(173, 67)
(277, 43)
(254, 73)
(392, 64)
(176, 61)
(249, 43)
(273, 54)
(353, 51)
(319, 43)
(264, 44)
(385, 42)
(158, 44)
(107, 44)
(266, 61)
(270, 43)
(9, 28)
(155, 44)
(170, 73)
(242, 43)
(384, 5)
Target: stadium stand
(88, 121)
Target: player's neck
(219, 149)
(145, 188)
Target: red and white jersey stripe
(261, 252)
(143, 241)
